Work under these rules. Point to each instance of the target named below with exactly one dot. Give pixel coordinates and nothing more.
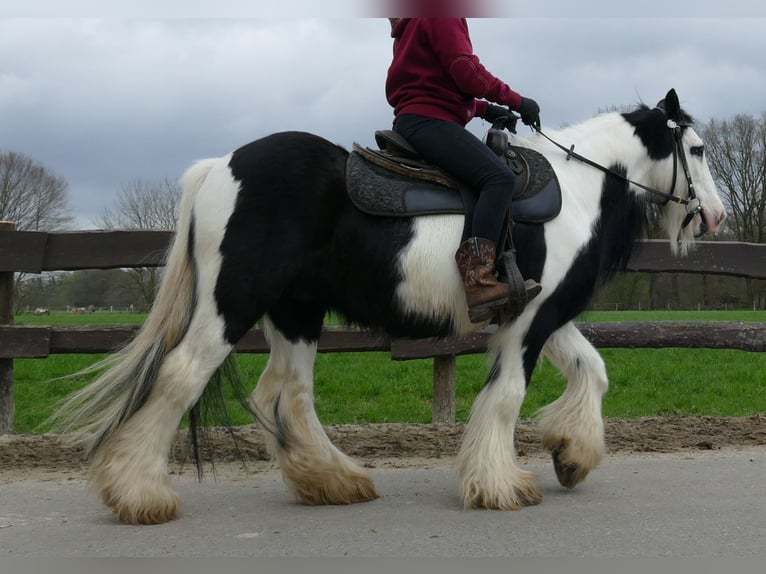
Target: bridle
(692, 202)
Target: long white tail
(127, 377)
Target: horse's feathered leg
(134, 405)
(572, 426)
(130, 468)
(487, 466)
(315, 471)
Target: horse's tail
(126, 378)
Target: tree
(144, 205)
(736, 153)
(32, 196)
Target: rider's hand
(530, 112)
(501, 117)
(497, 113)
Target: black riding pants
(457, 151)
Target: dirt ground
(391, 444)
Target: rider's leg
(457, 151)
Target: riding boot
(483, 292)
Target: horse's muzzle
(708, 222)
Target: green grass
(61, 318)
(106, 318)
(736, 315)
(369, 387)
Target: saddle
(394, 181)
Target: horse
(267, 233)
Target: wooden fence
(34, 252)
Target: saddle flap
(539, 198)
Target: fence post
(444, 389)
(6, 365)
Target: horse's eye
(698, 150)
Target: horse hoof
(530, 497)
(518, 501)
(525, 493)
(148, 516)
(163, 508)
(569, 474)
(334, 489)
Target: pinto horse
(268, 233)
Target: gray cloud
(105, 101)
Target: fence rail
(33, 252)
(39, 342)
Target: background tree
(31, 195)
(35, 199)
(144, 205)
(736, 153)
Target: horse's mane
(684, 117)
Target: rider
(432, 84)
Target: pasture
(371, 388)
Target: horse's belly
(431, 287)
(400, 276)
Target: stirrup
(486, 311)
(522, 291)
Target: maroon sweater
(435, 74)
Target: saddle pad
(376, 190)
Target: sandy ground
(53, 457)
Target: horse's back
(281, 178)
(283, 154)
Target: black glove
(501, 117)
(530, 112)
(495, 113)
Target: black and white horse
(268, 233)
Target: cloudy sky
(103, 98)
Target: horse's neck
(606, 139)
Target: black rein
(677, 150)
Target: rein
(678, 150)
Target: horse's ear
(671, 105)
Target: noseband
(692, 202)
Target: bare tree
(31, 195)
(35, 199)
(144, 205)
(736, 153)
